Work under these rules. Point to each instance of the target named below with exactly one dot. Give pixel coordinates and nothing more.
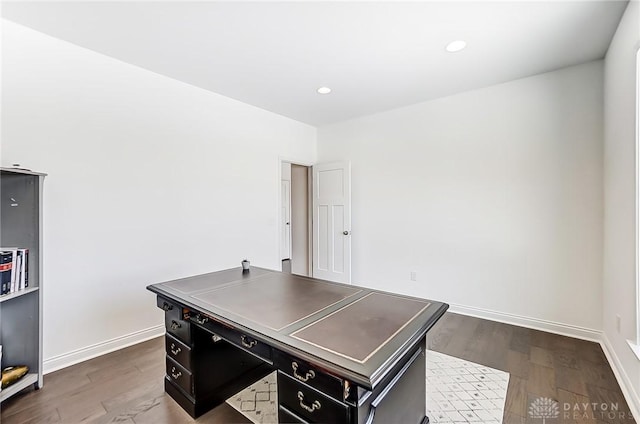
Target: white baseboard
(71, 358)
(533, 323)
(624, 381)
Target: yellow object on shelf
(12, 374)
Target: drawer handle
(201, 320)
(175, 325)
(310, 374)
(246, 342)
(174, 374)
(315, 405)
(174, 350)
(167, 307)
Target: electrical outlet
(413, 276)
(618, 319)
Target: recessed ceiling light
(324, 90)
(456, 46)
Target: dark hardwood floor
(127, 386)
(573, 372)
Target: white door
(285, 238)
(332, 221)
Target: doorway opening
(295, 216)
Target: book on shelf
(6, 264)
(23, 271)
(14, 269)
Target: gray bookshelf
(21, 311)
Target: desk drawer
(173, 320)
(178, 327)
(234, 336)
(180, 376)
(178, 351)
(287, 417)
(308, 403)
(165, 304)
(313, 376)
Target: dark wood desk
(344, 354)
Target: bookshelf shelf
(23, 383)
(19, 293)
(21, 311)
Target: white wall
(619, 294)
(494, 197)
(150, 179)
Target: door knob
(346, 233)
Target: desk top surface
(352, 331)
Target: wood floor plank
(133, 396)
(134, 409)
(559, 342)
(457, 345)
(78, 405)
(517, 364)
(32, 414)
(591, 352)
(123, 369)
(81, 413)
(480, 341)
(516, 402)
(541, 381)
(541, 339)
(130, 404)
(497, 349)
(223, 414)
(520, 340)
(571, 380)
(442, 333)
(608, 405)
(598, 375)
(510, 418)
(565, 358)
(542, 356)
(161, 409)
(56, 384)
(575, 409)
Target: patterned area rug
(459, 391)
(258, 402)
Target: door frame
(283, 253)
(308, 165)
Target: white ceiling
(375, 56)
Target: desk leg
(403, 399)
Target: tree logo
(544, 408)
